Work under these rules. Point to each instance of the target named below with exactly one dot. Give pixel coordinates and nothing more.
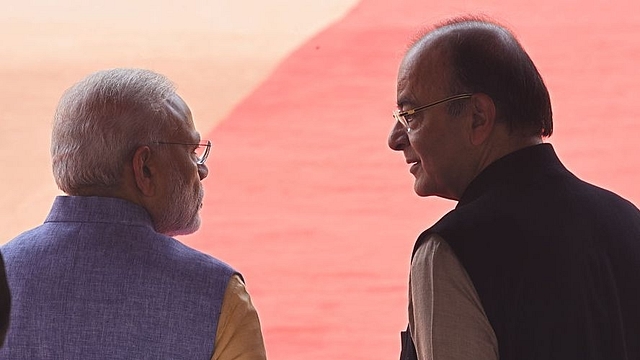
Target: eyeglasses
(202, 150)
(401, 116)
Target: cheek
(421, 145)
(189, 171)
(196, 177)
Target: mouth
(415, 165)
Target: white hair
(101, 121)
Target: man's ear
(143, 171)
(484, 118)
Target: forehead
(423, 74)
(181, 116)
(179, 109)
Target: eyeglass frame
(399, 115)
(201, 159)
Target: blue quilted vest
(95, 281)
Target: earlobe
(484, 118)
(142, 171)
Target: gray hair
(101, 121)
(485, 57)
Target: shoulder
(445, 313)
(434, 262)
(20, 243)
(189, 258)
(435, 256)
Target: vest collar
(98, 209)
(520, 166)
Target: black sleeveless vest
(555, 261)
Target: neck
(493, 150)
(125, 190)
(500, 149)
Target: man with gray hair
(532, 263)
(102, 278)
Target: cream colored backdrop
(216, 51)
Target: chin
(425, 192)
(185, 229)
(421, 190)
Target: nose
(398, 137)
(203, 171)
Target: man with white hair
(102, 278)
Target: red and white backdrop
(303, 196)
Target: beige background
(216, 51)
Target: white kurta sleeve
(446, 317)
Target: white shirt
(446, 318)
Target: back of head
(484, 57)
(101, 120)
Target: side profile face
(435, 144)
(180, 185)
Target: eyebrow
(404, 102)
(406, 99)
